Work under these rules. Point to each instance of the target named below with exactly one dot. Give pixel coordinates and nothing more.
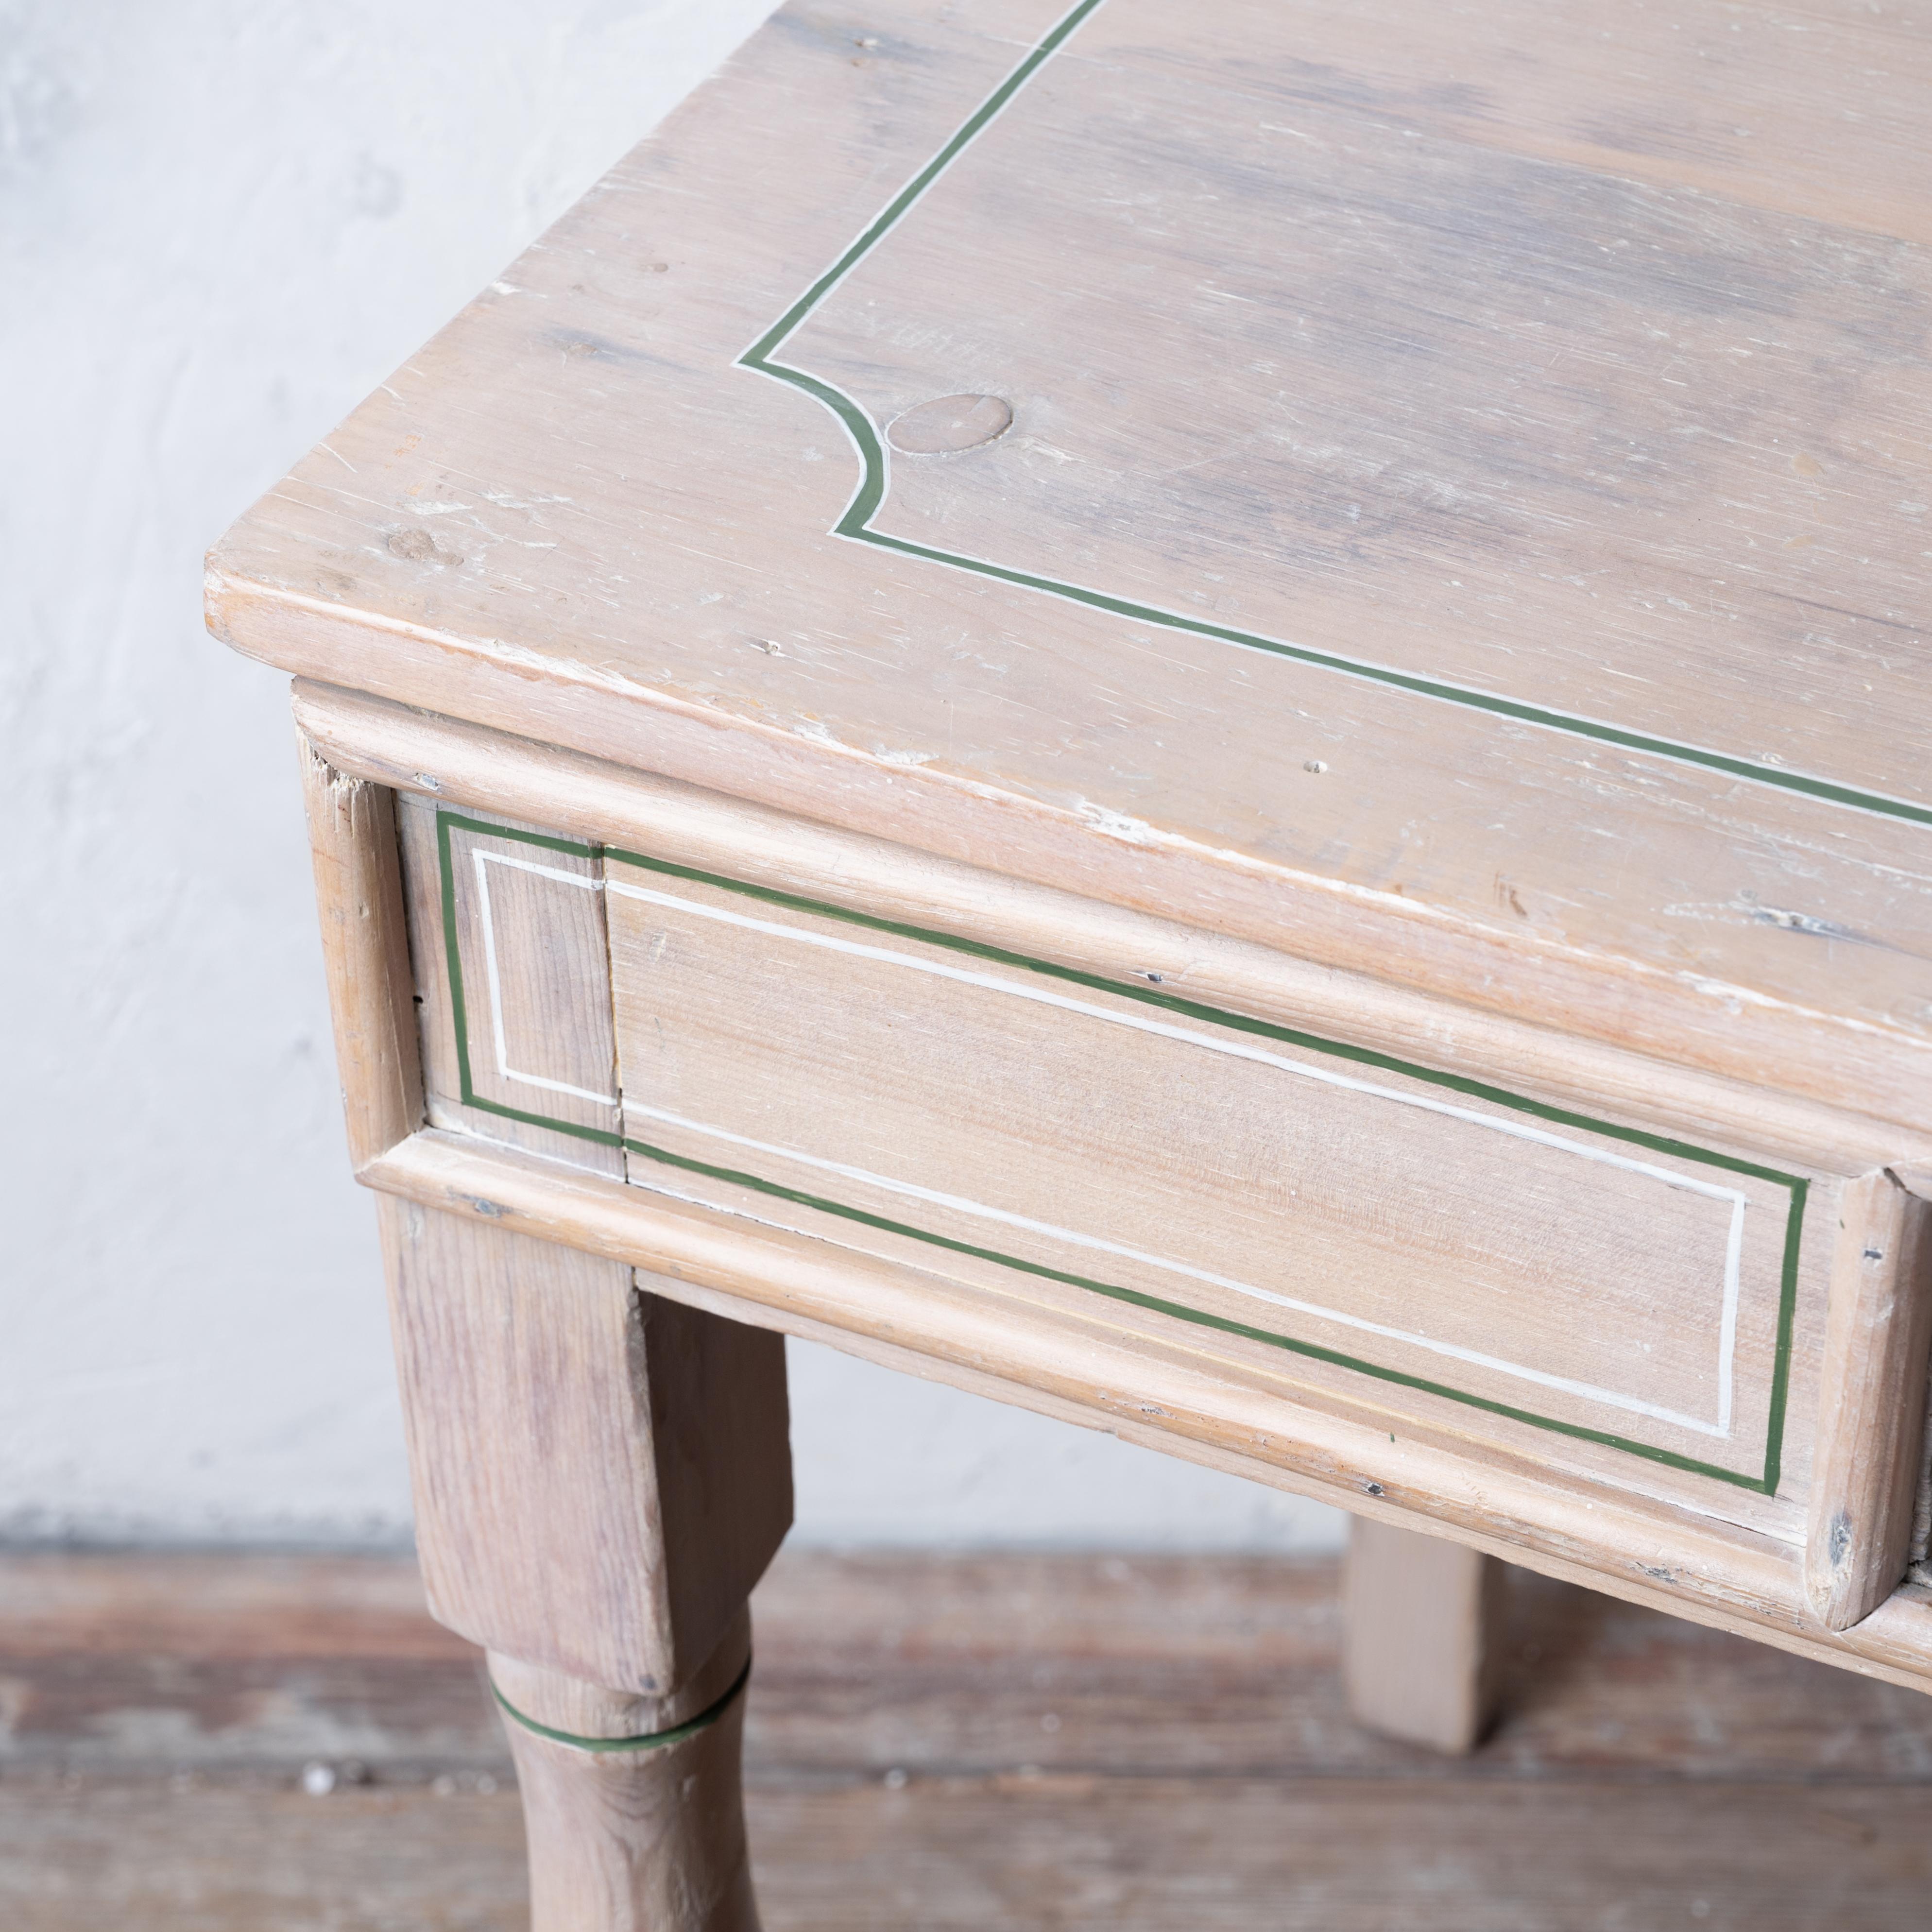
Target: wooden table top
(1447, 491)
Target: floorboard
(951, 1743)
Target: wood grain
(218, 1665)
(1224, 1667)
(1422, 1630)
(1200, 1767)
(1522, 408)
(1138, 1383)
(545, 942)
(226, 1669)
(1872, 1416)
(587, 1710)
(601, 1475)
(692, 829)
(1580, 367)
(1128, 1854)
(523, 781)
(885, 1093)
(352, 829)
(639, 1841)
(633, 1840)
(1449, 561)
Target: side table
(1213, 719)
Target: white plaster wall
(221, 223)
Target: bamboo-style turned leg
(601, 1476)
(1421, 1635)
(632, 1805)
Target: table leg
(632, 1806)
(600, 1476)
(1421, 1636)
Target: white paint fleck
(503, 502)
(1118, 824)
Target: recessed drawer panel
(1426, 1243)
(877, 1084)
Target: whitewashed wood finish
(456, 760)
(637, 1840)
(552, 987)
(1398, 406)
(638, 1843)
(1550, 1268)
(519, 782)
(1422, 1633)
(1289, 344)
(351, 827)
(600, 1474)
(841, 1063)
(1872, 1418)
(1588, 315)
(587, 1710)
(1107, 1371)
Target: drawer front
(1391, 1235)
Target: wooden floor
(949, 1743)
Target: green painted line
(1794, 1185)
(458, 1007)
(1467, 696)
(1174, 1003)
(968, 129)
(1200, 1318)
(869, 498)
(655, 1740)
(446, 822)
(597, 1134)
(1781, 1371)
(1457, 1083)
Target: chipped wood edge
(1872, 1405)
(358, 862)
(568, 791)
(1171, 1396)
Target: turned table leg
(632, 1805)
(600, 1476)
(1421, 1636)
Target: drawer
(1352, 1227)
(1622, 1320)
(1423, 1231)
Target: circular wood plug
(950, 423)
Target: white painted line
(1244, 1050)
(1190, 1036)
(959, 1205)
(1235, 1049)
(482, 859)
(1727, 1327)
